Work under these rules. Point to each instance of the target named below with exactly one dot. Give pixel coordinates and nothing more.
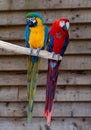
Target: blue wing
(65, 46)
(27, 33)
(50, 45)
(46, 36)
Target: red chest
(58, 42)
(59, 35)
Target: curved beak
(31, 22)
(67, 25)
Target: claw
(53, 53)
(58, 56)
(37, 52)
(31, 51)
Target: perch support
(26, 51)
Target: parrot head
(33, 19)
(64, 23)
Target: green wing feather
(32, 76)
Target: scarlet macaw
(58, 42)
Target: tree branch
(23, 50)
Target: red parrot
(58, 42)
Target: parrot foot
(37, 52)
(53, 53)
(58, 56)
(31, 51)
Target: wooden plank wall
(72, 109)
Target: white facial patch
(62, 23)
(34, 21)
(67, 25)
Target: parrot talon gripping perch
(53, 54)
(58, 56)
(31, 51)
(38, 51)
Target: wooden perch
(23, 50)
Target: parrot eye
(31, 21)
(33, 18)
(62, 23)
(67, 25)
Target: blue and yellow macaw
(36, 36)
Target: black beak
(31, 24)
(64, 27)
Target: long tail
(52, 76)
(32, 77)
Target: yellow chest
(36, 38)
